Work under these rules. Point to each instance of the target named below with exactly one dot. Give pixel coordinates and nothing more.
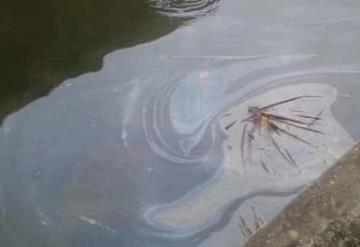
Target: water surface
(136, 154)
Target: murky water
(43, 43)
(136, 154)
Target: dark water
(133, 153)
(42, 43)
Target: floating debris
(261, 119)
(259, 221)
(246, 231)
(217, 204)
(266, 168)
(316, 118)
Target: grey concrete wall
(325, 214)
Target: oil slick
(267, 171)
(151, 147)
(323, 146)
(191, 100)
(137, 146)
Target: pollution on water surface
(139, 153)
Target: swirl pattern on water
(149, 137)
(185, 8)
(192, 105)
(189, 101)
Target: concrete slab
(325, 214)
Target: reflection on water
(136, 153)
(44, 43)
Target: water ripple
(185, 8)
